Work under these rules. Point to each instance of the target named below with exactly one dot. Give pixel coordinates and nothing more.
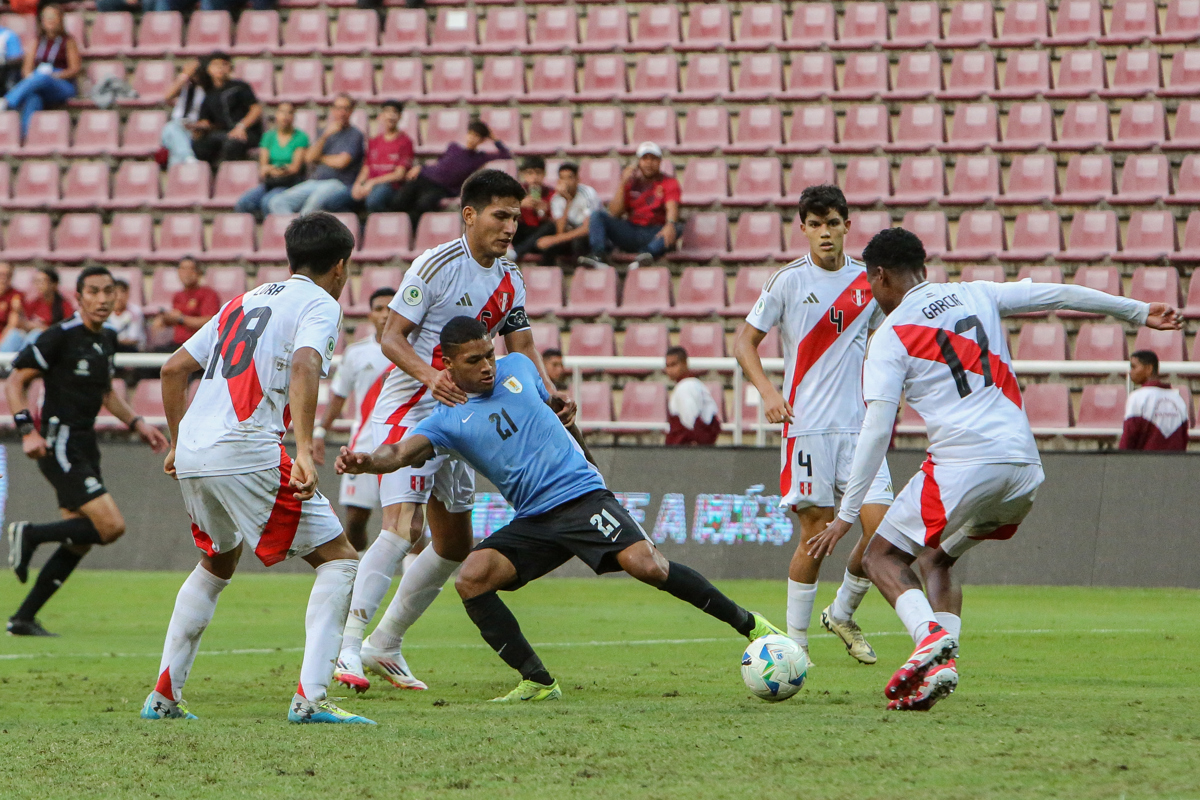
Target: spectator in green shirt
(280, 161)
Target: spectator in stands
(11, 336)
(49, 70)
(552, 360)
(191, 307)
(691, 410)
(187, 92)
(1156, 417)
(571, 208)
(230, 120)
(429, 185)
(389, 158)
(14, 57)
(135, 6)
(127, 320)
(335, 158)
(235, 6)
(535, 221)
(643, 216)
(44, 306)
(281, 155)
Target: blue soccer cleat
(159, 706)
(305, 710)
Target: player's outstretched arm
(175, 375)
(1025, 296)
(412, 451)
(398, 350)
(16, 387)
(745, 349)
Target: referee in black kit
(74, 358)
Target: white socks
(849, 595)
(194, 608)
(420, 586)
(375, 571)
(328, 605)
(801, 597)
(951, 622)
(916, 613)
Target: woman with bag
(280, 162)
(49, 70)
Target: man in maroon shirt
(535, 219)
(1156, 416)
(643, 216)
(191, 306)
(692, 412)
(389, 158)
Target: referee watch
(24, 422)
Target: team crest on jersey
(330, 346)
(413, 295)
(859, 296)
(513, 385)
(760, 307)
(81, 368)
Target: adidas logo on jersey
(465, 300)
(812, 298)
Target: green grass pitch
(1074, 693)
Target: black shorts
(72, 465)
(594, 527)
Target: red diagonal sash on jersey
(499, 304)
(921, 342)
(368, 403)
(244, 389)
(826, 331)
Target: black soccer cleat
(26, 627)
(20, 550)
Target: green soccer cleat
(528, 690)
(763, 627)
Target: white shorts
(359, 491)
(957, 506)
(451, 480)
(260, 509)
(815, 468)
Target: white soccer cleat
(349, 671)
(851, 636)
(390, 666)
(941, 681)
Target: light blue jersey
(513, 438)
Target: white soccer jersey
(363, 364)
(240, 412)
(824, 318)
(945, 348)
(443, 283)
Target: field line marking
(612, 643)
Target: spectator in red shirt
(643, 216)
(389, 157)
(44, 306)
(691, 411)
(535, 219)
(11, 335)
(191, 306)
(1156, 416)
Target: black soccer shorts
(594, 527)
(72, 465)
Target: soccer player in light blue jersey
(508, 431)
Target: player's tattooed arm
(413, 451)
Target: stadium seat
(980, 236)
(151, 80)
(552, 80)
(10, 132)
(1155, 285)
(85, 185)
(1187, 187)
(1189, 248)
(603, 175)
(301, 81)
(1101, 409)
(443, 126)
(187, 185)
(867, 181)
(1080, 74)
(707, 78)
(644, 340)
(1084, 126)
(759, 182)
(812, 76)
(760, 128)
(864, 75)
(231, 238)
(760, 26)
(130, 238)
(1132, 21)
(179, 235)
(654, 124)
(1094, 234)
(147, 399)
(140, 136)
(1100, 341)
(1026, 75)
(135, 185)
(591, 339)
(1191, 309)
(864, 225)
(863, 26)
(1186, 135)
(1145, 179)
(705, 181)
(1167, 345)
(976, 181)
(601, 130)
(76, 239)
(932, 229)
(1140, 126)
(709, 27)
(402, 77)
(550, 130)
(451, 80)
(454, 31)
(306, 32)
(502, 79)
(278, 275)
(207, 32)
(807, 172)
(234, 178)
(593, 292)
(867, 127)
(814, 26)
(354, 77)
(918, 24)
(270, 239)
(1102, 279)
(1077, 22)
(1031, 179)
(604, 79)
(701, 292)
(760, 77)
(706, 129)
(555, 29)
(96, 133)
(505, 125)
(99, 71)
(922, 179)
(111, 35)
(545, 335)
(975, 126)
(918, 76)
(647, 292)
(655, 78)
(595, 402)
(982, 272)
(1089, 180)
(1185, 75)
(1048, 407)
(813, 128)
(1036, 235)
(49, 133)
(159, 33)
(257, 33)
(1182, 23)
(759, 238)
(607, 29)
(27, 237)
(1026, 22)
(505, 31)
(642, 402)
(404, 32)
(1030, 126)
(385, 236)
(433, 229)
(703, 339)
(260, 74)
(373, 278)
(1043, 341)
(705, 237)
(36, 185)
(972, 74)
(543, 287)
(657, 27)
(1137, 73)
(5, 182)
(747, 287)
(971, 24)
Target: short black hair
(533, 162)
(396, 104)
(569, 166)
(479, 128)
(461, 330)
(551, 352)
(88, 272)
(382, 291)
(219, 55)
(895, 249)
(193, 259)
(51, 273)
(121, 283)
(820, 200)
(678, 352)
(1147, 357)
(316, 242)
(485, 185)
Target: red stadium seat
(701, 292)
(1182, 23)
(705, 181)
(1044, 341)
(759, 237)
(260, 74)
(811, 76)
(1025, 23)
(917, 24)
(451, 80)
(1031, 178)
(993, 273)
(709, 27)
(373, 278)
(545, 336)
(808, 172)
(863, 26)
(760, 128)
(703, 339)
(976, 126)
(1191, 309)
(607, 29)
(444, 125)
(386, 235)
(657, 28)
(1167, 345)
(36, 185)
(550, 130)
(1140, 127)
(1026, 74)
(98, 71)
(706, 129)
(5, 182)
(1030, 126)
(602, 174)
(354, 77)
(231, 239)
(813, 26)
(919, 76)
(553, 80)
(1187, 127)
(136, 185)
(234, 178)
(543, 287)
(1080, 74)
(502, 79)
(278, 275)
(760, 77)
(980, 237)
(864, 225)
(179, 235)
(1101, 341)
(655, 78)
(402, 77)
(404, 32)
(976, 180)
(813, 128)
(96, 133)
(305, 33)
(645, 340)
(434, 229)
(707, 77)
(49, 132)
(867, 181)
(77, 238)
(1089, 180)
(111, 35)
(972, 74)
(141, 133)
(85, 186)
(27, 237)
(207, 32)
(972, 23)
(10, 132)
(1185, 75)
(504, 32)
(1077, 22)
(647, 292)
(922, 179)
(746, 289)
(865, 75)
(1048, 407)
(1084, 126)
(867, 127)
(1187, 188)
(1132, 21)
(270, 241)
(759, 182)
(654, 124)
(130, 238)
(932, 229)
(1137, 73)
(705, 237)
(1101, 407)
(600, 131)
(556, 29)
(760, 26)
(1145, 179)
(1155, 285)
(1102, 279)
(592, 293)
(603, 78)
(257, 33)
(151, 80)
(302, 81)
(159, 33)
(147, 399)
(187, 185)
(591, 339)
(1094, 234)
(595, 402)
(643, 402)
(1036, 235)
(505, 125)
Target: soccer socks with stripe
(51, 576)
(800, 601)
(502, 632)
(692, 587)
(328, 605)
(951, 622)
(76, 530)
(376, 569)
(194, 608)
(915, 612)
(849, 596)
(420, 586)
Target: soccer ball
(774, 667)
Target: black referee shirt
(77, 370)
